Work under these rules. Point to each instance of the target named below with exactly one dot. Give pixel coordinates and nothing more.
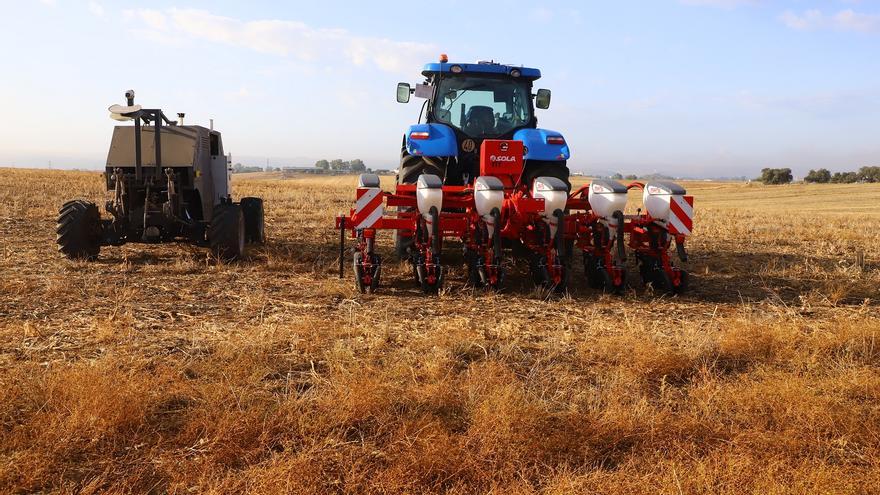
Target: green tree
(845, 177)
(776, 175)
(322, 164)
(869, 174)
(357, 165)
(336, 164)
(617, 176)
(821, 176)
(631, 177)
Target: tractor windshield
(482, 107)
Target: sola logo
(494, 158)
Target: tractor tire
(226, 234)
(411, 167)
(254, 220)
(79, 230)
(536, 168)
(402, 245)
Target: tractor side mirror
(542, 99)
(403, 92)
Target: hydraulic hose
(621, 249)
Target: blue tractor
(466, 104)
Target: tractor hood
(481, 68)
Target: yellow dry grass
(158, 370)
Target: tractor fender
(440, 142)
(537, 148)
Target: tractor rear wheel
(411, 167)
(254, 223)
(79, 230)
(227, 232)
(537, 168)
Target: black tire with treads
(411, 167)
(254, 220)
(536, 168)
(79, 230)
(226, 234)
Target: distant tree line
(619, 176)
(356, 165)
(240, 169)
(823, 176)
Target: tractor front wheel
(79, 230)
(226, 233)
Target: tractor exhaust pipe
(138, 160)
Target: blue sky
(687, 87)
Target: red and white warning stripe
(368, 209)
(681, 214)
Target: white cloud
(153, 19)
(808, 20)
(855, 21)
(845, 20)
(287, 39)
(96, 8)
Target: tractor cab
(482, 105)
(466, 104)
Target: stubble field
(157, 369)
